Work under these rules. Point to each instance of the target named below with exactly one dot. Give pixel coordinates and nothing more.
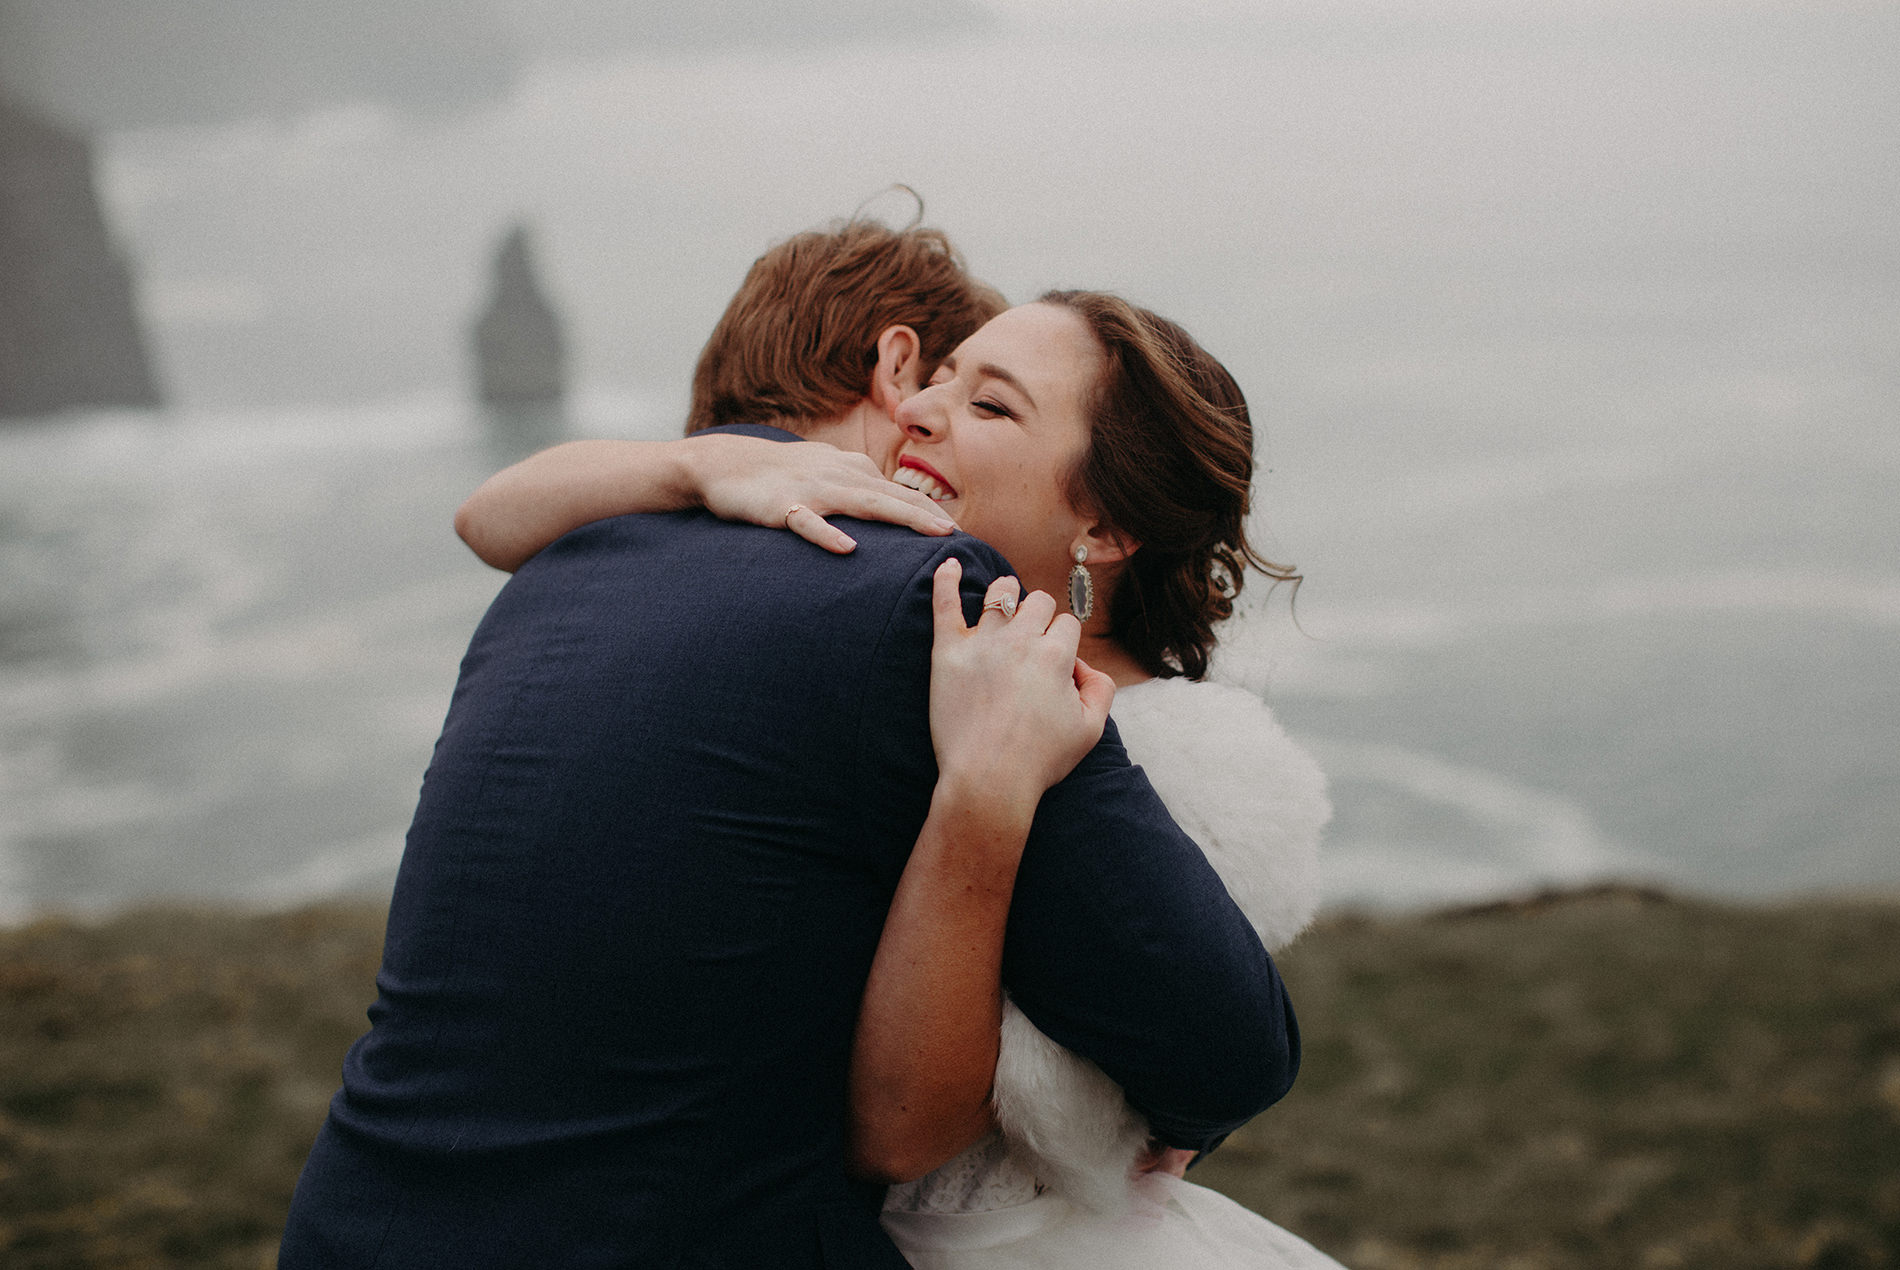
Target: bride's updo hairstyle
(1169, 465)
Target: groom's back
(639, 900)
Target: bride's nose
(921, 416)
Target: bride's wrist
(693, 461)
(985, 804)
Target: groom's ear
(899, 370)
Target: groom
(680, 776)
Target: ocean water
(1571, 337)
(227, 642)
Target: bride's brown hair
(1170, 466)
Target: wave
(1874, 601)
(359, 867)
(210, 439)
(338, 641)
(194, 439)
(43, 798)
(1342, 650)
(1499, 837)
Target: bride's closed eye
(993, 409)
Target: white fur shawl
(1256, 803)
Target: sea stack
(69, 330)
(520, 357)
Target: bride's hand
(522, 508)
(1157, 1157)
(1011, 711)
(1012, 708)
(755, 480)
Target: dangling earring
(1081, 586)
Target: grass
(162, 1076)
(1614, 1079)
(1611, 1079)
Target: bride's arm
(523, 508)
(1011, 711)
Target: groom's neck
(845, 432)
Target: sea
(1574, 345)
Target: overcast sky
(1471, 181)
(127, 63)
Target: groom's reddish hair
(798, 343)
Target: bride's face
(996, 433)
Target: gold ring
(1004, 604)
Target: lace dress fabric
(984, 1178)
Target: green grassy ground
(1604, 1080)
(1609, 1080)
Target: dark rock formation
(519, 354)
(69, 333)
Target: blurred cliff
(69, 330)
(520, 357)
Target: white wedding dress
(1055, 1186)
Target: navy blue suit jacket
(679, 778)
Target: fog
(129, 64)
(1475, 182)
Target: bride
(1109, 458)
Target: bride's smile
(996, 435)
(913, 473)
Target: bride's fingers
(882, 489)
(1035, 611)
(812, 527)
(1097, 691)
(999, 602)
(894, 505)
(863, 464)
(946, 600)
(1165, 1159)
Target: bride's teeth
(923, 483)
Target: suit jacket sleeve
(1122, 945)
